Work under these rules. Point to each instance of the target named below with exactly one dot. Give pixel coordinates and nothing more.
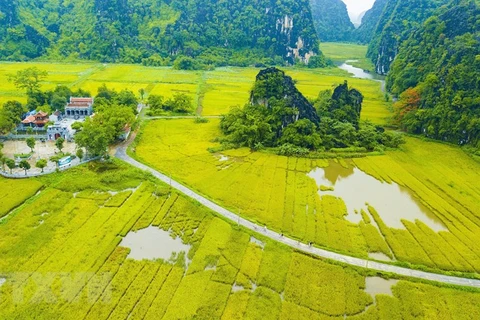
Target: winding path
(372, 265)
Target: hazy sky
(355, 7)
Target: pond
(153, 243)
(377, 285)
(356, 188)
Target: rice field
(62, 259)
(213, 92)
(339, 52)
(278, 192)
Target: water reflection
(377, 285)
(392, 201)
(153, 243)
(362, 74)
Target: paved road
(180, 117)
(121, 154)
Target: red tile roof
(29, 119)
(80, 102)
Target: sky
(355, 7)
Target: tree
(29, 130)
(94, 138)
(180, 102)
(141, 91)
(41, 164)
(10, 115)
(28, 79)
(10, 164)
(155, 102)
(31, 143)
(77, 126)
(58, 102)
(126, 98)
(24, 165)
(185, 63)
(80, 154)
(59, 143)
(318, 62)
(3, 160)
(409, 102)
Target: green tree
(302, 133)
(77, 126)
(94, 138)
(28, 79)
(10, 115)
(10, 164)
(25, 165)
(141, 91)
(318, 62)
(31, 143)
(185, 63)
(3, 160)
(155, 102)
(58, 102)
(41, 164)
(180, 102)
(29, 130)
(59, 143)
(80, 154)
(126, 98)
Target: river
(362, 74)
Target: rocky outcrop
(273, 83)
(331, 20)
(348, 99)
(398, 20)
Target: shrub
(289, 150)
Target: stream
(362, 74)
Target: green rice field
(213, 92)
(279, 192)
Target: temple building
(38, 120)
(61, 129)
(79, 108)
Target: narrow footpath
(372, 265)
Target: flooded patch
(2, 281)
(257, 242)
(377, 285)
(223, 158)
(392, 201)
(237, 288)
(379, 256)
(153, 243)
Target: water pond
(392, 201)
(153, 243)
(377, 285)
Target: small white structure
(56, 116)
(61, 129)
(79, 108)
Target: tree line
(436, 76)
